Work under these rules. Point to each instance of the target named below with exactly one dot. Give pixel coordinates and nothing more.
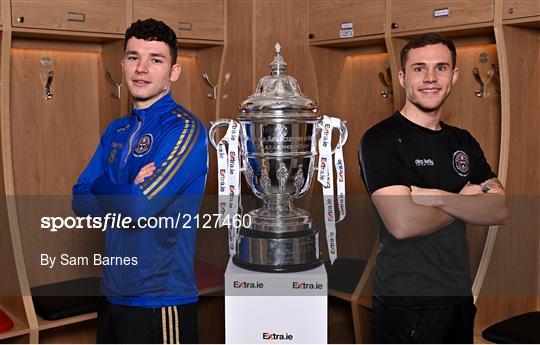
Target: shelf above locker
(201, 20)
(351, 42)
(329, 20)
(429, 15)
(98, 16)
(64, 35)
(46, 324)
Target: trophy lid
(278, 93)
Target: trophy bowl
(279, 129)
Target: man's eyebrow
(437, 64)
(133, 52)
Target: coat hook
(481, 92)
(115, 84)
(212, 94)
(387, 91)
(48, 93)
(495, 70)
(388, 71)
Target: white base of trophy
(275, 308)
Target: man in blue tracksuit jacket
(151, 163)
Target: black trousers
(167, 325)
(424, 324)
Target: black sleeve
(380, 162)
(481, 171)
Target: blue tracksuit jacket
(175, 140)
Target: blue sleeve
(181, 156)
(84, 202)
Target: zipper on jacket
(131, 140)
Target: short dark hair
(153, 30)
(427, 39)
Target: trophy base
(278, 252)
(276, 269)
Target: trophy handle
(343, 135)
(215, 126)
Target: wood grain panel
(349, 88)
(9, 284)
(511, 285)
(238, 75)
(10, 291)
(326, 17)
(236, 85)
(479, 115)
(291, 33)
(52, 141)
(208, 61)
(522, 48)
(192, 91)
(19, 308)
(182, 89)
(110, 107)
(419, 14)
(107, 16)
(197, 19)
(214, 246)
(520, 9)
(399, 92)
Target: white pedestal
(276, 308)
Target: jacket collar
(163, 105)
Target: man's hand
(146, 171)
(492, 186)
(425, 196)
(471, 189)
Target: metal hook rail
(213, 93)
(118, 86)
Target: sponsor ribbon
(325, 176)
(228, 159)
(340, 170)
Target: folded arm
(179, 160)
(403, 218)
(84, 202)
(483, 204)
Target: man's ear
(401, 77)
(175, 72)
(455, 75)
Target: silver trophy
(279, 129)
